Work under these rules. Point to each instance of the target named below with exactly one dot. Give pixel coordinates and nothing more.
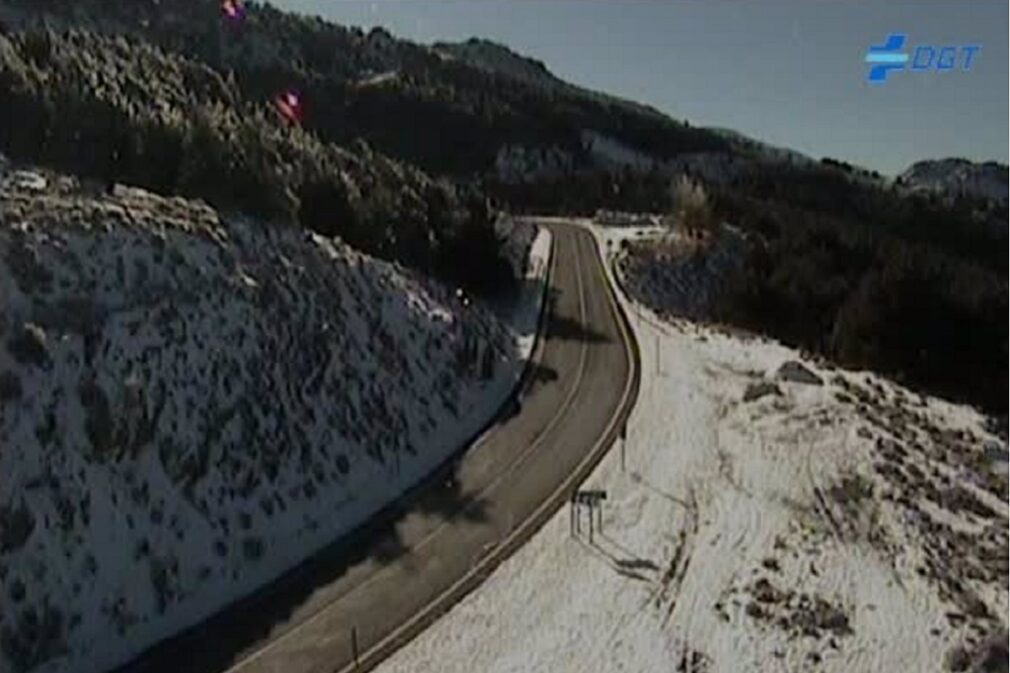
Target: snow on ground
(380, 79)
(525, 315)
(686, 276)
(958, 177)
(191, 402)
(761, 523)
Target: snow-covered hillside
(191, 403)
(958, 177)
(773, 514)
(686, 276)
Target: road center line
(520, 459)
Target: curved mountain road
(378, 588)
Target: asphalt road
(377, 589)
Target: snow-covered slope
(958, 177)
(678, 281)
(761, 523)
(191, 403)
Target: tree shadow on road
(448, 501)
(541, 373)
(218, 642)
(561, 327)
(225, 637)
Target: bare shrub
(691, 207)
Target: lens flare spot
(289, 105)
(233, 9)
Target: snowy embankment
(770, 517)
(191, 403)
(528, 249)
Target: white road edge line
(259, 653)
(548, 502)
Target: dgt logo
(883, 58)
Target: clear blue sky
(790, 73)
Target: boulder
(28, 345)
(797, 372)
(759, 389)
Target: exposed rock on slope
(958, 177)
(190, 403)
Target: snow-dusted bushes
(191, 403)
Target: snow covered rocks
(759, 389)
(190, 403)
(796, 372)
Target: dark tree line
(915, 286)
(119, 110)
(584, 192)
(445, 115)
(927, 306)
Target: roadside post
(591, 499)
(576, 514)
(571, 515)
(354, 647)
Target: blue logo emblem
(889, 57)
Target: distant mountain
(448, 108)
(119, 108)
(459, 126)
(498, 58)
(958, 177)
(746, 143)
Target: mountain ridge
(954, 176)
